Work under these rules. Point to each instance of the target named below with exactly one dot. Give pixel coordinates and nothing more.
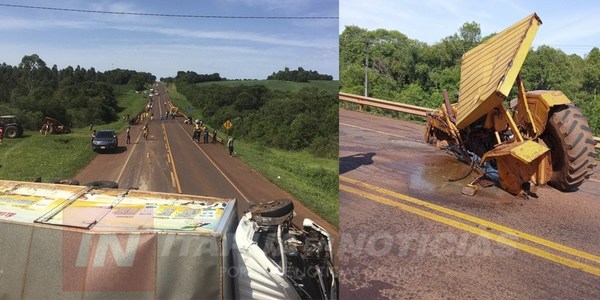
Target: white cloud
(241, 36)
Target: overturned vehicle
(70, 241)
(540, 138)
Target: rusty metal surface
(388, 252)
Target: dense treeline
(75, 96)
(307, 119)
(193, 77)
(410, 71)
(299, 75)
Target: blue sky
(572, 26)
(234, 48)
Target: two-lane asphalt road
(170, 161)
(408, 232)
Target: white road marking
(217, 167)
(128, 157)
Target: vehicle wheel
(103, 184)
(275, 209)
(11, 131)
(572, 148)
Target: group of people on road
(203, 132)
(199, 131)
(169, 113)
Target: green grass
(60, 156)
(331, 86)
(181, 101)
(312, 180)
(53, 156)
(130, 102)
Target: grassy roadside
(60, 156)
(311, 180)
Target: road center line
(481, 232)
(128, 157)
(498, 227)
(170, 155)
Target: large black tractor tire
(11, 132)
(274, 209)
(572, 148)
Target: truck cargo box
(76, 242)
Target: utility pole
(367, 42)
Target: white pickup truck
(81, 242)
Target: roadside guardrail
(363, 101)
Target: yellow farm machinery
(538, 138)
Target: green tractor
(11, 128)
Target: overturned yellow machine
(536, 139)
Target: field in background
(328, 85)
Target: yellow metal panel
(539, 103)
(500, 150)
(528, 151)
(518, 162)
(551, 98)
(489, 70)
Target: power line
(164, 15)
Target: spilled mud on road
(431, 174)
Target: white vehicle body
(279, 261)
